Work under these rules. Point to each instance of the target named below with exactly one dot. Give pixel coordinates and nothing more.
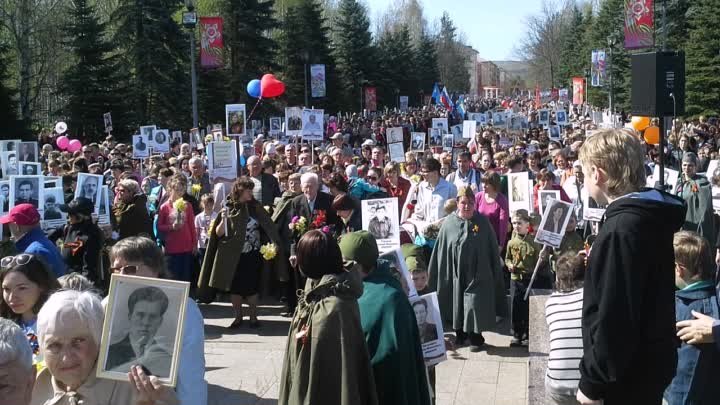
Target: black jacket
(323, 202)
(628, 322)
(81, 251)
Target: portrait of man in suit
(27, 192)
(51, 209)
(146, 309)
(428, 330)
(89, 189)
(5, 196)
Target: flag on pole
(460, 106)
(445, 99)
(436, 93)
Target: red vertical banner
(537, 96)
(211, 42)
(639, 24)
(554, 94)
(578, 90)
(370, 99)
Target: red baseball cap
(22, 214)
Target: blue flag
(436, 93)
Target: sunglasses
(128, 270)
(18, 260)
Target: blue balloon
(254, 88)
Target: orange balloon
(652, 135)
(640, 123)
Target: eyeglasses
(18, 260)
(129, 270)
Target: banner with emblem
(639, 24)
(211, 42)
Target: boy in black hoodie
(628, 323)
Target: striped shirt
(563, 313)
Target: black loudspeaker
(658, 84)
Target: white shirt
(431, 200)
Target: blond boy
(628, 324)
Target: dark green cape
(465, 271)
(331, 365)
(393, 340)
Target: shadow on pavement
(218, 395)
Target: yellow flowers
(195, 189)
(476, 229)
(268, 251)
(208, 138)
(179, 205)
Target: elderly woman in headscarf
(465, 271)
(697, 193)
(69, 330)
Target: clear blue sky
(492, 27)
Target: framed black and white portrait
(380, 217)
(417, 141)
(29, 168)
(553, 224)
(28, 152)
(435, 137)
(162, 141)
(90, 187)
(429, 322)
(143, 326)
(26, 190)
(394, 134)
(9, 163)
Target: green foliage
(304, 40)
(573, 57)
(426, 64)
(353, 51)
(12, 126)
(451, 58)
(703, 59)
(397, 75)
(91, 85)
(154, 53)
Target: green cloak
(466, 273)
(393, 340)
(330, 365)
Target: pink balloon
(74, 146)
(62, 142)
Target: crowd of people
(288, 227)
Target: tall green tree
(304, 42)
(155, 56)
(452, 61)
(353, 50)
(426, 64)
(250, 50)
(573, 60)
(8, 103)
(674, 27)
(397, 76)
(91, 85)
(703, 59)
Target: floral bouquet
(298, 226)
(268, 251)
(179, 214)
(195, 190)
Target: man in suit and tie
(312, 201)
(146, 308)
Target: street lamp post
(189, 19)
(306, 59)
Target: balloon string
(253, 110)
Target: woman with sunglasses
(26, 285)
(140, 256)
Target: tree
(91, 85)
(154, 52)
(13, 127)
(426, 64)
(703, 59)
(451, 57)
(573, 58)
(353, 50)
(304, 41)
(396, 74)
(250, 50)
(542, 46)
(676, 23)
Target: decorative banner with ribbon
(370, 99)
(639, 24)
(317, 80)
(578, 90)
(211, 42)
(597, 68)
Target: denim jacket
(695, 382)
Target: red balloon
(271, 87)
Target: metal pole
(307, 103)
(664, 24)
(610, 93)
(193, 79)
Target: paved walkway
(243, 366)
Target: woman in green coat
(326, 359)
(697, 193)
(465, 271)
(232, 261)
